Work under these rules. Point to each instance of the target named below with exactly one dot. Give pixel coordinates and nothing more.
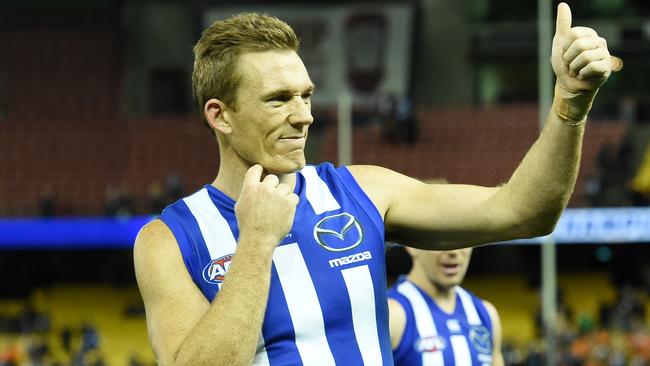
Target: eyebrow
(281, 92)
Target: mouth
(295, 142)
(450, 269)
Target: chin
(285, 166)
(450, 283)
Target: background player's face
(273, 112)
(444, 269)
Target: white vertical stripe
(214, 227)
(318, 193)
(362, 298)
(219, 241)
(423, 321)
(304, 308)
(468, 305)
(461, 350)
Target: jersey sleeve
(171, 217)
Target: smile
(293, 142)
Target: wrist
(257, 241)
(572, 108)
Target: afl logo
(339, 232)
(215, 271)
(430, 344)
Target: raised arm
(184, 328)
(530, 203)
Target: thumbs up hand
(582, 63)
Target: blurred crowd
(616, 180)
(621, 337)
(26, 340)
(118, 199)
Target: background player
(434, 321)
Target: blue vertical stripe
(193, 249)
(277, 329)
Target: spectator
(47, 201)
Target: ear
(216, 113)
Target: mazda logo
(333, 229)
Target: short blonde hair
(216, 53)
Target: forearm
(541, 186)
(229, 332)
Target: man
(434, 321)
(302, 245)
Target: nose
(454, 253)
(461, 252)
(300, 112)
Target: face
(273, 111)
(444, 269)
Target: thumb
(563, 21)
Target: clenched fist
(265, 209)
(582, 64)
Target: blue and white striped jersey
(327, 301)
(433, 337)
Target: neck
(232, 170)
(444, 297)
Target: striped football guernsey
(433, 337)
(327, 301)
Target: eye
(282, 98)
(306, 97)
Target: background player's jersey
(327, 300)
(433, 337)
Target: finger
(579, 46)
(599, 69)
(577, 33)
(586, 57)
(293, 198)
(617, 63)
(563, 20)
(283, 188)
(253, 174)
(583, 32)
(271, 180)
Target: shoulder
(382, 185)
(367, 173)
(491, 309)
(155, 242)
(494, 318)
(154, 233)
(394, 292)
(396, 310)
